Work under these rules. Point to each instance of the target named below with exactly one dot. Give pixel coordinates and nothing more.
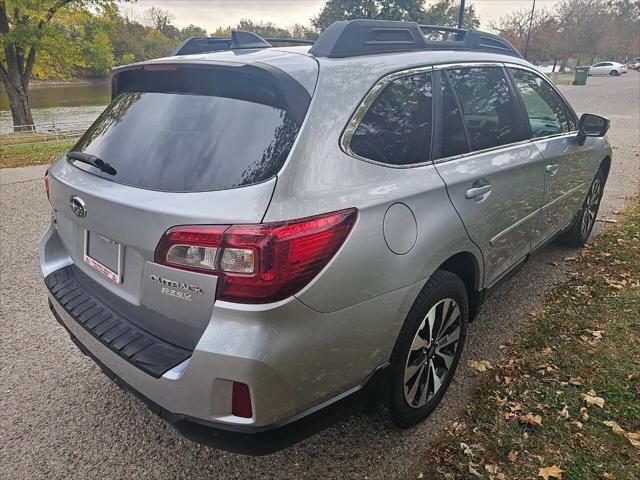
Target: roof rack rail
(293, 41)
(367, 37)
(239, 40)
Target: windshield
(183, 142)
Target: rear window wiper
(92, 160)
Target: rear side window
(488, 108)
(546, 110)
(396, 129)
(225, 136)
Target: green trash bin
(581, 76)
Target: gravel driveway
(61, 417)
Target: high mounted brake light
(160, 67)
(260, 263)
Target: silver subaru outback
(257, 240)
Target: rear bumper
(295, 360)
(251, 440)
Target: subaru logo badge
(78, 207)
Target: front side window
(488, 108)
(396, 129)
(546, 110)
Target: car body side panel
(569, 169)
(500, 222)
(319, 177)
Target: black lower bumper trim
(137, 346)
(256, 440)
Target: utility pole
(526, 45)
(461, 14)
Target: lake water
(73, 102)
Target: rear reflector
(261, 263)
(241, 401)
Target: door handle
(551, 169)
(477, 191)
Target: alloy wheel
(432, 352)
(592, 204)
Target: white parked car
(608, 68)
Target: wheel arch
(466, 266)
(605, 165)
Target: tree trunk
(555, 62)
(20, 106)
(563, 65)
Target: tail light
(260, 263)
(46, 185)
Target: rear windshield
(186, 142)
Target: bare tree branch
(28, 69)
(52, 11)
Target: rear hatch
(184, 145)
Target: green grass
(23, 155)
(539, 373)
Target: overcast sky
(212, 14)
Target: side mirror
(591, 125)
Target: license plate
(104, 255)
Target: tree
(192, 31)
(445, 13)
(583, 25)
(160, 19)
(25, 27)
(545, 41)
(335, 10)
(442, 12)
(302, 31)
(622, 40)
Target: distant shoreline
(35, 83)
(58, 83)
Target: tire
(417, 360)
(614, 73)
(580, 231)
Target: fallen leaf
(591, 399)
(608, 476)
(564, 413)
(531, 419)
(547, 350)
(479, 365)
(576, 424)
(633, 437)
(420, 476)
(584, 415)
(465, 449)
(576, 381)
(596, 333)
(473, 471)
(492, 468)
(550, 472)
(512, 456)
